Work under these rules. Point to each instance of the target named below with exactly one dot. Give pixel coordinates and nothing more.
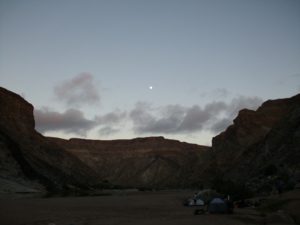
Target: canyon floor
(143, 208)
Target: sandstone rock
(152, 162)
(266, 138)
(258, 142)
(27, 155)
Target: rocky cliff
(261, 144)
(30, 162)
(153, 162)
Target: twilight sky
(87, 65)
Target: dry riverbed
(142, 208)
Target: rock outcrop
(261, 143)
(33, 161)
(28, 160)
(252, 126)
(153, 162)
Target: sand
(142, 208)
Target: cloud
(111, 122)
(73, 121)
(171, 118)
(111, 118)
(147, 119)
(193, 119)
(79, 90)
(145, 122)
(70, 121)
(230, 110)
(215, 116)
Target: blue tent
(217, 205)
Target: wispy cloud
(78, 90)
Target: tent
(194, 202)
(217, 205)
(199, 202)
(207, 195)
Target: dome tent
(217, 205)
(194, 202)
(207, 195)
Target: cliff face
(251, 126)
(260, 141)
(29, 161)
(12, 111)
(259, 144)
(152, 162)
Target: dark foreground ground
(142, 208)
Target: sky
(119, 69)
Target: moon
(150, 87)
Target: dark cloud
(110, 123)
(140, 113)
(193, 119)
(171, 118)
(226, 112)
(79, 90)
(111, 118)
(70, 121)
(73, 121)
(145, 122)
(215, 107)
(215, 116)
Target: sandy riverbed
(142, 208)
